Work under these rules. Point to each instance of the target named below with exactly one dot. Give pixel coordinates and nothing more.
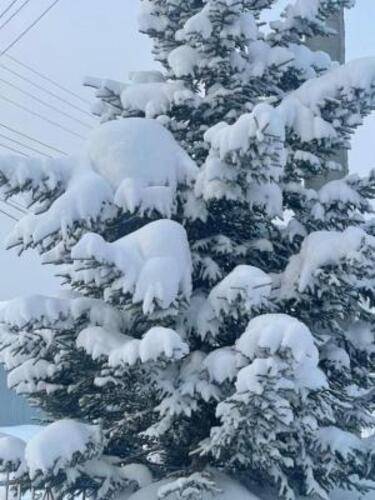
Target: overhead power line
(37, 141)
(48, 79)
(14, 150)
(34, 113)
(22, 144)
(8, 215)
(44, 103)
(43, 89)
(15, 205)
(29, 28)
(7, 9)
(15, 13)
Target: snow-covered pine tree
(218, 314)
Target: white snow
(31, 375)
(162, 342)
(223, 364)
(137, 148)
(183, 60)
(199, 24)
(76, 203)
(12, 454)
(338, 441)
(54, 447)
(148, 18)
(158, 342)
(251, 377)
(357, 74)
(128, 354)
(269, 334)
(138, 473)
(227, 138)
(263, 56)
(154, 262)
(110, 171)
(247, 283)
(231, 490)
(300, 13)
(257, 137)
(362, 336)
(273, 343)
(338, 191)
(98, 342)
(320, 249)
(143, 163)
(155, 98)
(267, 196)
(246, 287)
(45, 311)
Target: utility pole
(335, 46)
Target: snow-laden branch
(306, 18)
(151, 266)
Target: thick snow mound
(142, 161)
(12, 453)
(30, 375)
(246, 288)
(153, 98)
(98, 342)
(86, 198)
(273, 341)
(338, 441)
(138, 473)
(277, 333)
(357, 74)
(158, 342)
(154, 262)
(41, 173)
(50, 451)
(161, 341)
(225, 138)
(319, 249)
(230, 490)
(45, 311)
(223, 364)
(247, 283)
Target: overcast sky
(99, 38)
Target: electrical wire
(43, 89)
(14, 150)
(19, 143)
(37, 141)
(34, 113)
(8, 215)
(15, 205)
(17, 11)
(29, 28)
(48, 79)
(7, 9)
(44, 103)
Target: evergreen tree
(220, 314)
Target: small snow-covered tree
(219, 313)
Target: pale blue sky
(99, 38)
